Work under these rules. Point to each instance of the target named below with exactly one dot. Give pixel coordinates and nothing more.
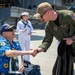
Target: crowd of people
(59, 25)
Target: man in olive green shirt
(59, 25)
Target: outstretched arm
(12, 53)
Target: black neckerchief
(26, 24)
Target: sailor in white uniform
(24, 27)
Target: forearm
(20, 31)
(47, 40)
(45, 46)
(13, 53)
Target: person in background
(59, 25)
(10, 47)
(24, 27)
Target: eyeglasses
(9, 30)
(25, 15)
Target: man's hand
(69, 41)
(33, 52)
(21, 69)
(25, 30)
(36, 51)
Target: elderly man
(59, 25)
(9, 47)
(25, 28)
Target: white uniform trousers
(25, 45)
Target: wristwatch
(37, 50)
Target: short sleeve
(3, 48)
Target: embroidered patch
(55, 28)
(11, 26)
(64, 26)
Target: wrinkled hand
(21, 69)
(68, 41)
(33, 52)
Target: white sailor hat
(25, 13)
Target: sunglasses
(9, 30)
(43, 14)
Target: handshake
(34, 52)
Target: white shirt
(21, 27)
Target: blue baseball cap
(6, 28)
